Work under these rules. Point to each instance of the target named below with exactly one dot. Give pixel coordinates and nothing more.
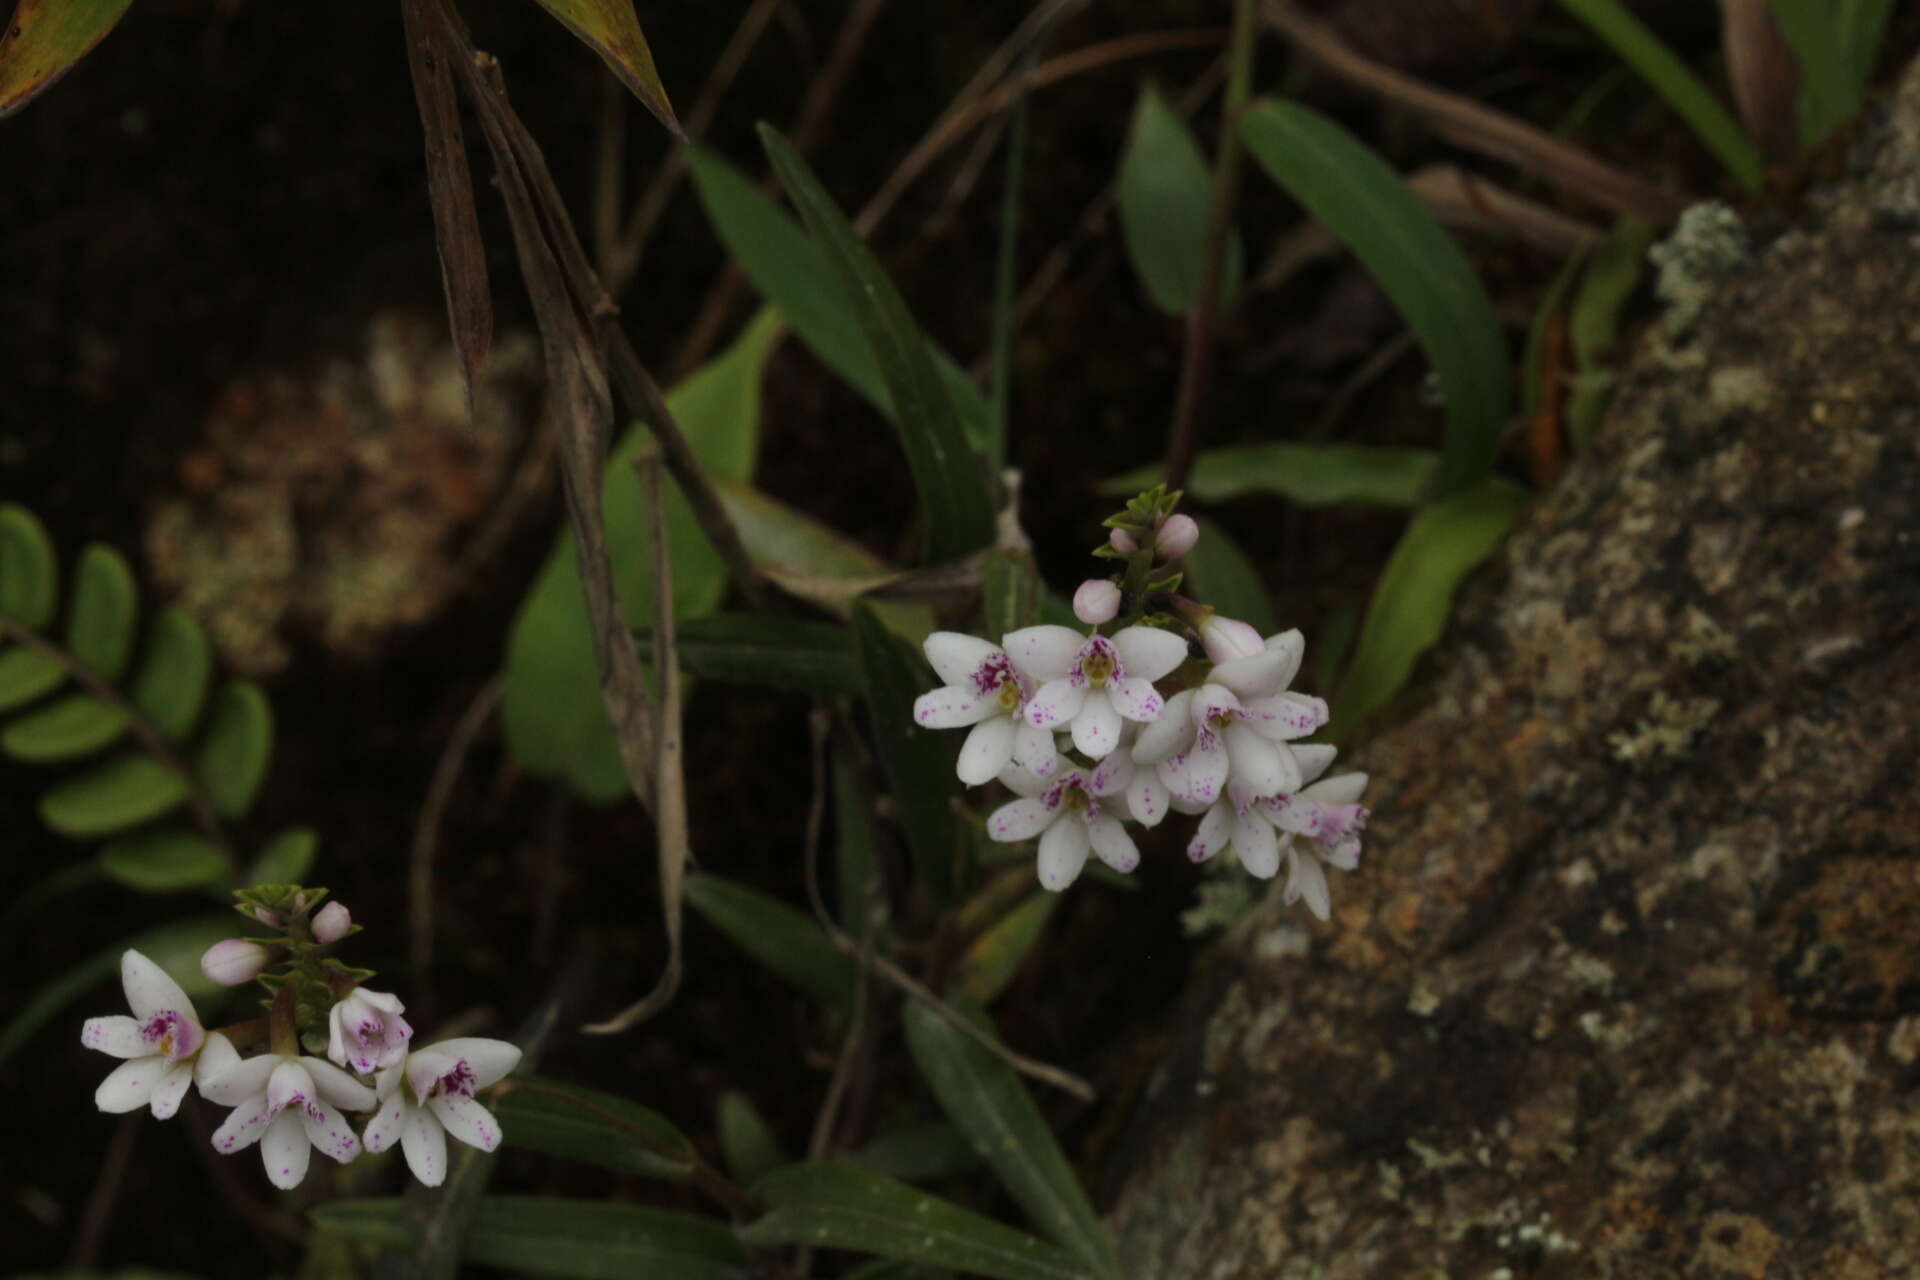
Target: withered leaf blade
(456, 224)
(610, 29)
(43, 41)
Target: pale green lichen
(1707, 244)
(1670, 726)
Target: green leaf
(236, 748)
(1367, 207)
(794, 275)
(985, 1099)
(25, 675)
(105, 614)
(918, 763)
(553, 714)
(953, 495)
(788, 943)
(176, 948)
(1593, 327)
(554, 1237)
(1309, 475)
(989, 963)
(164, 861)
(770, 653)
(1165, 192)
(844, 1207)
(1415, 593)
(610, 29)
(29, 574)
(852, 848)
(923, 1153)
(78, 724)
(117, 795)
(594, 1127)
(176, 670)
(1015, 596)
(1640, 49)
(747, 1145)
(890, 1269)
(1220, 574)
(286, 859)
(43, 41)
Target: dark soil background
(229, 192)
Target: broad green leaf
(594, 1127)
(176, 669)
(25, 675)
(1640, 49)
(78, 724)
(844, 1207)
(104, 617)
(792, 272)
(748, 1146)
(1309, 475)
(286, 859)
(918, 763)
(791, 945)
(1218, 573)
(29, 574)
(1367, 207)
(923, 1153)
(894, 1269)
(113, 797)
(176, 947)
(770, 653)
(1415, 593)
(986, 1101)
(610, 29)
(989, 963)
(236, 748)
(1593, 327)
(44, 39)
(546, 1236)
(555, 720)
(953, 496)
(1164, 193)
(165, 860)
(1010, 592)
(852, 848)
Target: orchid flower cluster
(288, 1102)
(1125, 722)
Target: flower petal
(491, 1061)
(1111, 841)
(957, 656)
(1045, 652)
(1252, 677)
(1112, 774)
(290, 1086)
(1306, 880)
(149, 989)
(1169, 735)
(1147, 798)
(1213, 701)
(1314, 757)
(1020, 820)
(1021, 780)
(172, 1087)
(1300, 814)
(1096, 730)
(1286, 716)
(1215, 829)
(953, 707)
(1063, 851)
(285, 1150)
(244, 1125)
(115, 1034)
(1254, 842)
(1149, 653)
(987, 750)
(228, 1085)
(1292, 646)
(329, 1132)
(1136, 699)
(384, 1129)
(1345, 789)
(1033, 750)
(1258, 765)
(467, 1120)
(425, 1143)
(1206, 774)
(1057, 702)
(129, 1086)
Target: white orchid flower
(1070, 816)
(430, 1095)
(987, 690)
(287, 1103)
(365, 1031)
(1327, 817)
(161, 1042)
(1092, 683)
(1235, 727)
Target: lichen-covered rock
(1629, 983)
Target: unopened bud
(1176, 537)
(331, 922)
(1123, 542)
(1226, 639)
(234, 961)
(1096, 601)
(272, 919)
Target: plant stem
(1197, 360)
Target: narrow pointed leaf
(29, 574)
(1220, 574)
(118, 795)
(286, 859)
(919, 764)
(844, 1207)
(1593, 326)
(1367, 207)
(986, 1101)
(610, 29)
(545, 1236)
(1309, 475)
(594, 1127)
(44, 39)
(105, 612)
(236, 748)
(852, 848)
(771, 653)
(749, 1147)
(789, 944)
(78, 724)
(176, 668)
(953, 494)
(923, 1153)
(993, 958)
(1165, 192)
(26, 675)
(163, 861)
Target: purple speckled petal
(1096, 730)
(149, 989)
(1215, 829)
(1019, 820)
(1136, 699)
(1254, 842)
(1057, 703)
(1045, 652)
(384, 1129)
(173, 1086)
(953, 707)
(244, 1125)
(1147, 798)
(467, 1120)
(955, 656)
(1111, 841)
(129, 1086)
(117, 1035)
(425, 1143)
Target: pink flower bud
(1227, 638)
(1176, 537)
(272, 919)
(1122, 541)
(234, 961)
(331, 922)
(1096, 601)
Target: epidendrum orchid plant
(1127, 722)
(285, 1099)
